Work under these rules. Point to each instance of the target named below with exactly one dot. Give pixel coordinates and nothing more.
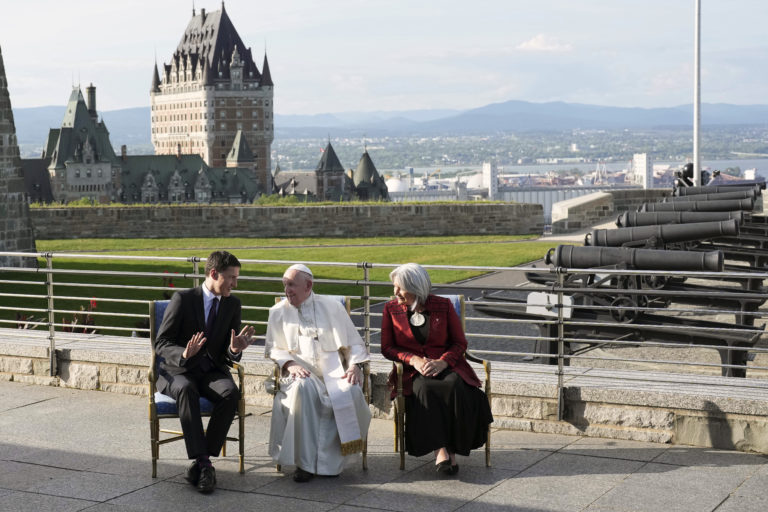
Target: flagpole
(697, 97)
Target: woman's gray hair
(412, 278)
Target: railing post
(560, 345)
(51, 316)
(195, 270)
(367, 305)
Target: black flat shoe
(446, 469)
(302, 476)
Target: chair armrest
(152, 380)
(399, 384)
(486, 366)
(240, 377)
(366, 381)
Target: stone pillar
(15, 226)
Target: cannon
(737, 194)
(633, 219)
(686, 191)
(725, 205)
(602, 306)
(601, 328)
(748, 224)
(658, 235)
(726, 233)
(570, 256)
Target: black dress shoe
(302, 476)
(207, 481)
(192, 475)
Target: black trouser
(216, 386)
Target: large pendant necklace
(417, 319)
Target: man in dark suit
(196, 345)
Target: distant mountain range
(132, 126)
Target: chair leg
(401, 430)
(154, 432)
(397, 429)
(488, 449)
(241, 437)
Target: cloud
(544, 43)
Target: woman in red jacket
(447, 411)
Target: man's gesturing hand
(241, 341)
(194, 345)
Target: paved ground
(74, 450)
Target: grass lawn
(475, 251)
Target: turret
(91, 92)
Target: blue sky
(353, 55)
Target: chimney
(123, 151)
(91, 91)
(202, 14)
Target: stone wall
(523, 399)
(586, 211)
(264, 222)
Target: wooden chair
(399, 403)
(162, 406)
(345, 301)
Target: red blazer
(446, 341)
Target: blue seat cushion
(455, 300)
(167, 405)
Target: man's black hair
(220, 261)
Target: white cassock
(317, 418)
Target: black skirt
(445, 411)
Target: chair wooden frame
(346, 302)
(399, 402)
(177, 435)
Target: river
(761, 164)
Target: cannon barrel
(632, 219)
(725, 205)
(736, 194)
(687, 191)
(571, 256)
(666, 233)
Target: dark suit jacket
(446, 341)
(184, 317)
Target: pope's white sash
(341, 400)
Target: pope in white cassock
(319, 414)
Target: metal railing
(108, 296)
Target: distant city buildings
(642, 170)
(81, 164)
(330, 182)
(212, 128)
(491, 179)
(210, 92)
